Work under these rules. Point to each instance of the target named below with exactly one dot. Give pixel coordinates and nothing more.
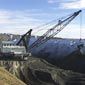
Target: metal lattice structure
(54, 30)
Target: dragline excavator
(18, 50)
(49, 34)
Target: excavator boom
(54, 30)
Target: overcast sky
(18, 16)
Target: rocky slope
(36, 71)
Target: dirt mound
(8, 79)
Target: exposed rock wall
(36, 71)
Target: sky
(18, 16)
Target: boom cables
(48, 25)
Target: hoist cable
(80, 27)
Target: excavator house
(10, 50)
